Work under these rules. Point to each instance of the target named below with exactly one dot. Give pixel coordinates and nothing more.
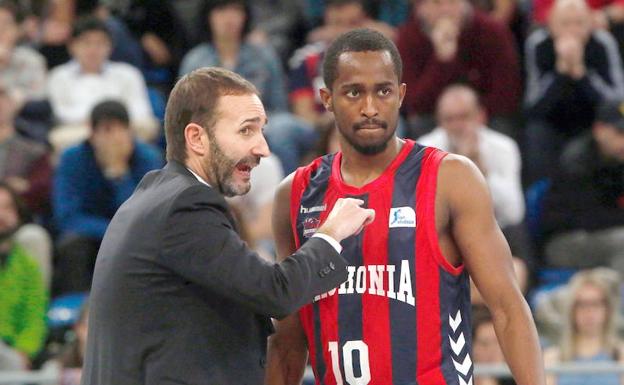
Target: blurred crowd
(531, 91)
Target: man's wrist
(329, 239)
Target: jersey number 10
(347, 359)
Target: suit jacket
(178, 298)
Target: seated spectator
(570, 68)
(485, 346)
(448, 41)
(226, 46)
(163, 42)
(589, 328)
(25, 166)
(22, 69)
(92, 180)
(605, 13)
(75, 87)
(23, 297)
(462, 130)
(583, 214)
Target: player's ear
(326, 98)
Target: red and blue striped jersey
(403, 315)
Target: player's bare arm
(466, 226)
(287, 352)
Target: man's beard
(221, 169)
(372, 148)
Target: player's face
(590, 311)
(365, 99)
(236, 143)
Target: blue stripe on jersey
(455, 302)
(314, 196)
(401, 245)
(350, 313)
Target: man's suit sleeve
(199, 244)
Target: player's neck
(358, 169)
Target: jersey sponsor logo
(402, 217)
(313, 209)
(310, 225)
(377, 280)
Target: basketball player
(403, 315)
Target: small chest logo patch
(310, 225)
(402, 217)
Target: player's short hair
(358, 40)
(194, 100)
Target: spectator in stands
(605, 13)
(22, 69)
(583, 214)
(448, 41)
(589, 330)
(485, 347)
(570, 68)
(462, 130)
(75, 87)
(92, 180)
(163, 42)
(226, 46)
(23, 297)
(25, 166)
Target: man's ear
(193, 136)
(402, 90)
(326, 98)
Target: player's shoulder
(457, 172)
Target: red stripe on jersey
(375, 308)
(428, 318)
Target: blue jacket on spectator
(84, 200)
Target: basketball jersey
(403, 314)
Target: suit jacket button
(332, 266)
(262, 362)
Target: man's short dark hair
(194, 100)
(358, 40)
(210, 5)
(109, 110)
(89, 24)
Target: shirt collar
(199, 178)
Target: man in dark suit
(177, 296)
